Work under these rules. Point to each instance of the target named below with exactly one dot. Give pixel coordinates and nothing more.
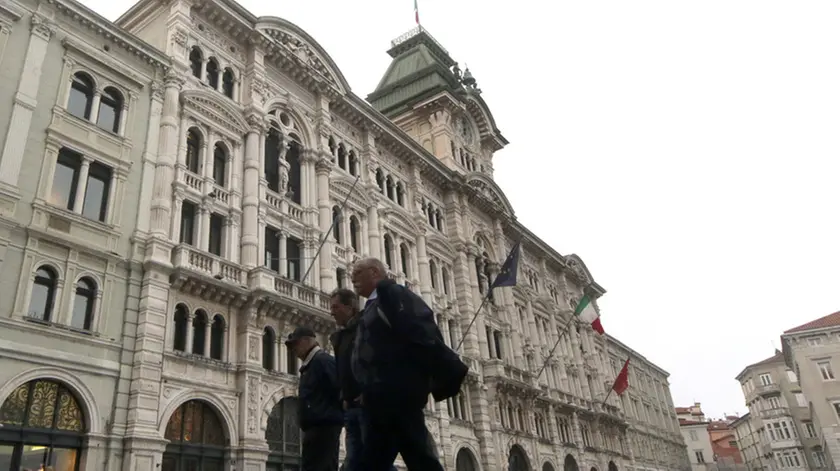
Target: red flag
(596, 325)
(621, 381)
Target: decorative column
(323, 167)
(167, 149)
(79, 202)
(374, 240)
(423, 264)
(251, 192)
(283, 263)
(203, 228)
(25, 101)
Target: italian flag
(416, 13)
(585, 311)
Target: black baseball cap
(298, 334)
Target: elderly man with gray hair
(398, 346)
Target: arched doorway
(612, 466)
(518, 460)
(283, 436)
(570, 463)
(465, 461)
(197, 440)
(42, 425)
(548, 466)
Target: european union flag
(507, 275)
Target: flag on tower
(621, 381)
(586, 312)
(507, 274)
(416, 13)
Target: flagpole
(332, 225)
(556, 344)
(608, 396)
(475, 316)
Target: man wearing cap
(319, 410)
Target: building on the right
(778, 429)
(812, 351)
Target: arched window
(380, 181)
(332, 146)
(518, 460)
(213, 74)
(282, 432)
(227, 83)
(271, 166)
(219, 164)
(336, 215)
(389, 251)
(43, 294)
(352, 163)
(80, 102)
(444, 280)
(570, 464)
(465, 461)
(179, 341)
(268, 347)
(433, 274)
(342, 157)
(400, 194)
(354, 234)
(199, 332)
(83, 303)
(547, 466)
(405, 260)
(196, 59)
(194, 143)
(438, 220)
(389, 188)
(110, 110)
(217, 337)
(196, 439)
(293, 157)
(41, 424)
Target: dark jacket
(342, 342)
(390, 362)
(318, 393)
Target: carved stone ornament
(173, 78)
(42, 26)
(253, 400)
(179, 37)
(156, 88)
(303, 51)
(252, 348)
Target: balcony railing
(767, 389)
(193, 259)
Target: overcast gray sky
(687, 151)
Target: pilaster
(25, 102)
(251, 192)
(323, 167)
(165, 164)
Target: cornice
(75, 11)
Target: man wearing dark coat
(319, 411)
(396, 334)
(344, 309)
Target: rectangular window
(800, 400)
(774, 403)
(217, 227)
(826, 371)
(766, 379)
(65, 179)
(810, 431)
(814, 341)
(792, 376)
(497, 339)
(96, 193)
(272, 249)
(187, 235)
(698, 455)
(819, 458)
(693, 435)
(293, 254)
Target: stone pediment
(211, 106)
(297, 43)
(341, 186)
(400, 222)
(438, 244)
(576, 266)
(486, 188)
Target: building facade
(780, 429)
(165, 184)
(812, 352)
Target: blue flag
(507, 275)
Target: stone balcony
(767, 389)
(212, 277)
(774, 413)
(282, 206)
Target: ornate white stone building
(164, 185)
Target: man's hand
(360, 399)
(344, 405)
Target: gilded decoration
(197, 423)
(43, 404)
